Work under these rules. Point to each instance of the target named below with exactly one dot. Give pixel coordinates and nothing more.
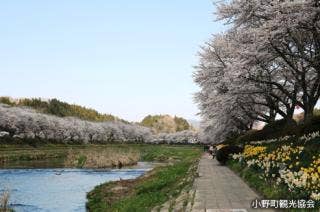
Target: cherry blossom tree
(265, 65)
(287, 42)
(223, 107)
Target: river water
(58, 189)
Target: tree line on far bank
(158, 123)
(25, 124)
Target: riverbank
(68, 156)
(153, 189)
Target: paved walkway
(219, 189)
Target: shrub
(232, 138)
(312, 125)
(279, 128)
(224, 152)
(251, 135)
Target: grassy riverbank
(87, 156)
(154, 188)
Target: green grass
(81, 161)
(157, 187)
(166, 152)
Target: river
(58, 189)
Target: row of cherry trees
(180, 137)
(265, 65)
(22, 123)
(27, 123)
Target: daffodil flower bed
(290, 164)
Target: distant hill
(61, 109)
(165, 123)
(194, 123)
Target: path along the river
(216, 189)
(219, 189)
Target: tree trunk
(308, 113)
(308, 108)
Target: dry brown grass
(101, 158)
(4, 201)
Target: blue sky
(128, 58)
